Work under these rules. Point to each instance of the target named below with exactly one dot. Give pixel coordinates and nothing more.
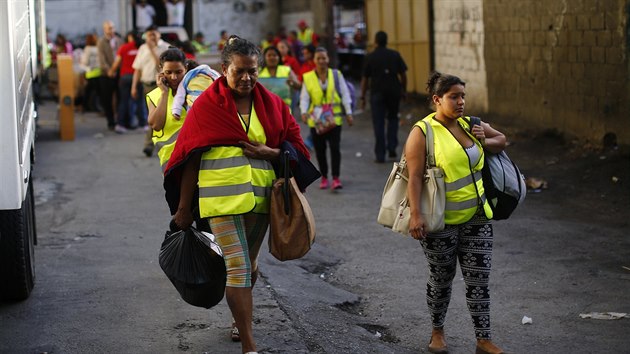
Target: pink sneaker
(336, 183)
(324, 183)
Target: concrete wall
(76, 18)
(459, 48)
(258, 18)
(560, 64)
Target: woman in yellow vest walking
(89, 63)
(324, 87)
(276, 77)
(459, 151)
(160, 102)
(231, 137)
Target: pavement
(101, 217)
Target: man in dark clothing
(386, 70)
(107, 48)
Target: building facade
(548, 64)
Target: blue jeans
(385, 108)
(295, 104)
(128, 107)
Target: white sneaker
(120, 129)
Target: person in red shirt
(281, 35)
(128, 106)
(287, 58)
(290, 61)
(188, 49)
(340, 41)
(308, 52)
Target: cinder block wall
(459, 48)
(559, 64)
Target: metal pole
(330, 33)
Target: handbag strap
(285, 186)
(430, 160)
(336, 79)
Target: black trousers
(385, 108)
(107, 90)
(92, 91)
(333, 139)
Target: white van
(18, 45)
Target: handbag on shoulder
(394, 211)
(291, 221)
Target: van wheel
(17, 240)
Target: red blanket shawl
(213, 121)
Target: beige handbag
(394, 211)
(291, 221)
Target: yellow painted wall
(406, 23)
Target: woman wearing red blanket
(226, 147)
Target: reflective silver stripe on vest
(161, 144)
(236, 161)
(237, 189)
(225, 191)
(462, 182)
(466, 204)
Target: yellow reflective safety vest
(315, 92)
(164, 139)
(464, 185)
(282, 71)
(93, 73)
(230, 183)
(264, 44)
(306, 37)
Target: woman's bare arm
(190, 175)
(491, 139)
(415, 152)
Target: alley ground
(101, 218)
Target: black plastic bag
(194, 263)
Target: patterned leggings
(240, 238)
(471, 242)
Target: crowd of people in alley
(220, 128)
(115, 73)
